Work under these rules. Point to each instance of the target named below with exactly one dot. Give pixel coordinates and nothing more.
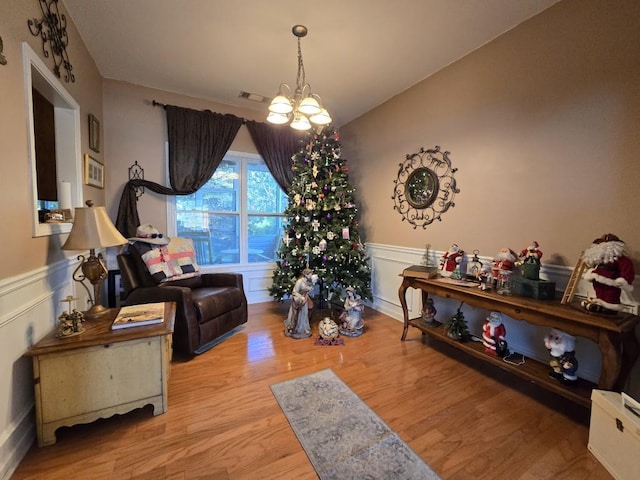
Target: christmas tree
(322, 230)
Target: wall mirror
(65, 118)
(425, 187)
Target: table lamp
(92, 229)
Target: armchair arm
(186, 328)
(222, 280)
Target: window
(237, 216)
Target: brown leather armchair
(207, 306)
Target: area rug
(344, 438)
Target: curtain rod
(164, 105)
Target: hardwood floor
(466, 421)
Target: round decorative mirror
(421, 188)
(425, 187)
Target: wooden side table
(100, 373)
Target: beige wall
(27, 253)
(136, 130)
(543, 124)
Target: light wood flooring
(467, 421)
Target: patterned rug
(344, 438)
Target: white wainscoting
(30, 304)
(388, 261)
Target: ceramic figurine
(429, 313)
(327, 328)
(554, 342)
(452, 260)
(352, 323)
(493, 333)
(503, 265)
(610, 272)
(569, 362)
(297, 322)
(65, 325)
(486, 279)
(530, 261)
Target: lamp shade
(278, 118)
(92, 228)
(300, 122)
(322, 118)
(309, 106)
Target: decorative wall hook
(52, 29)
(136, 172)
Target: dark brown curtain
(198, 141)
(276, 145)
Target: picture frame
(93, 172)
(94, 133)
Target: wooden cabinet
(615, 335)
(100, 373)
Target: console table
(615, 335)
(100, 372)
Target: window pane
(224, 238)
(264, 236)
(219, 194)
(264, 194)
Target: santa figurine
(493, 333)
(610, 272)
(503, 264)
(555, 343)
(530, 261)
(452, 260)
(531, 254)
(568, 362)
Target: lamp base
(95, 312)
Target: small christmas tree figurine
(322, 230)
(456, 327)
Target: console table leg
(611, 349)
(629, 357)
(405, 311)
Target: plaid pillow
(174, 261)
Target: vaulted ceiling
(357, 54)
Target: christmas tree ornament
(322, 245)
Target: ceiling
(357, 54)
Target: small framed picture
(94, 133)
(93, 172)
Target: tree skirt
(342, 436)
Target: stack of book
(420, 271)
(139, 315)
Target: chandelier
(302, 108)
